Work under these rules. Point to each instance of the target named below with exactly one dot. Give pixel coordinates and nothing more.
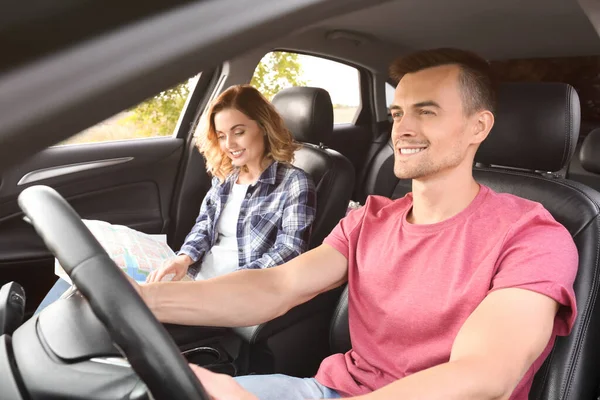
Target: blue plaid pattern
(274, 223)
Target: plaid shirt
(274, 223)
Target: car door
(91, 63)
(135, 182)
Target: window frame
(363, 79)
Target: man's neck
(439, 198)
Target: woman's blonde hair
(279, 143)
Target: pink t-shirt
(411, 287)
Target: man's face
(431, 132)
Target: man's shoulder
(512, 206)
(512, 215)
(378, 204)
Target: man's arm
(249, 297)
(493, 350)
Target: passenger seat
(308, 114)
(380, 179)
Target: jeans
(283, 387)
(54, 294)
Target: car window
(279, 70)
(154, 117)
(389, 94)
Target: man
(455, 291)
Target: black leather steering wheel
(149, 348)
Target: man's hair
(478, 87)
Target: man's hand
(252, 296)
(135, 285)
(177, 267)
(220, 386)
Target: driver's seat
(536, 129)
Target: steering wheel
(150, 350)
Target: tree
(276, 71)
(158, 115)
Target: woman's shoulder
(218, 184)
(287, 172)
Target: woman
(260, 208)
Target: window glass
(279, 70)
(155, 117)
(389, 94)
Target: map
(136, 253)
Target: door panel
(124, 182)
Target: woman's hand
(177, 266)
(220, 386)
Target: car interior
(102, 342)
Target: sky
(340, 80)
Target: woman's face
(240, 138)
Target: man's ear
(484, 121)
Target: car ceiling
(495, 29)
(373, 37)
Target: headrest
(589, 154)
(536, 128)
(307, 112)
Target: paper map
(134, 252)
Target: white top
(222, 258)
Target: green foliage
(276, 71)
(158, 115)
